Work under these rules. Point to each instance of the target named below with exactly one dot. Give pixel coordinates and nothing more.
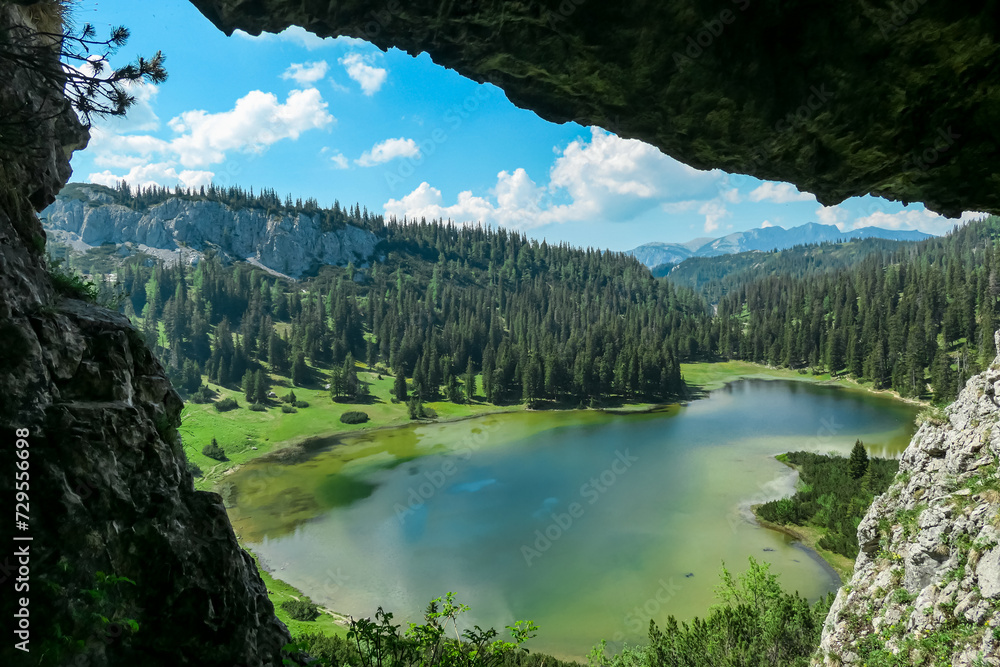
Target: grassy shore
(329, 622)
(810, 536)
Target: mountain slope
(926, 586)
(762, 239)
(286, 242)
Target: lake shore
(703, 378)
(809, 538)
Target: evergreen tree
(859, 460)
(399, 386)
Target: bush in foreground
(354, 417)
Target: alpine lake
(588, 523)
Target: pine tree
(859, 460)
(470, 381)
(399, 386)
(300, 371)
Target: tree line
(458, 311)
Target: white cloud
(359, 68)
(605, 179)
(299, 37)
(159, 173)
(108, 145)
(620, 178)
(339, 161)
(517, 198)
(201, 139)
(306, 74)
(779, 193)
(833, 215)
(257, 121)
(387, 150)
(877, 216)
(715, 212)
(731, 195)
(766, 224)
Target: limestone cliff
(288, 244)
(108, 489)
(926, 586)
(841, 98)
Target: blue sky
(339, 119)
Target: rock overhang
(899, 100)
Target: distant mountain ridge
(762, 239)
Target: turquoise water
(587, 523)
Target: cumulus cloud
(779, 193)
(621, 178)
(159, 173)
(306, 74)
(299, 37)
(359, 68)
(257, 121)
(607, 178)
(518, 203)
(715, 212)
(201, 139)
(876, 215)
(833, 215)
(388, 150)
(339, 161)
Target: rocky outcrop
(842, 99)
(926, 585)
(286, 243)
(127, 563)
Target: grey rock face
(288, 244)
(110, 493)
(928, 575)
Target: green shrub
(226, 404)
(287, 409)
(203, 395)
(70, 284)
(301, 610)
(194, 469)
(330, 650)
(354, 417)
(214, 451)
(302, 404)
(258, 407)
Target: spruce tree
(859, 460)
